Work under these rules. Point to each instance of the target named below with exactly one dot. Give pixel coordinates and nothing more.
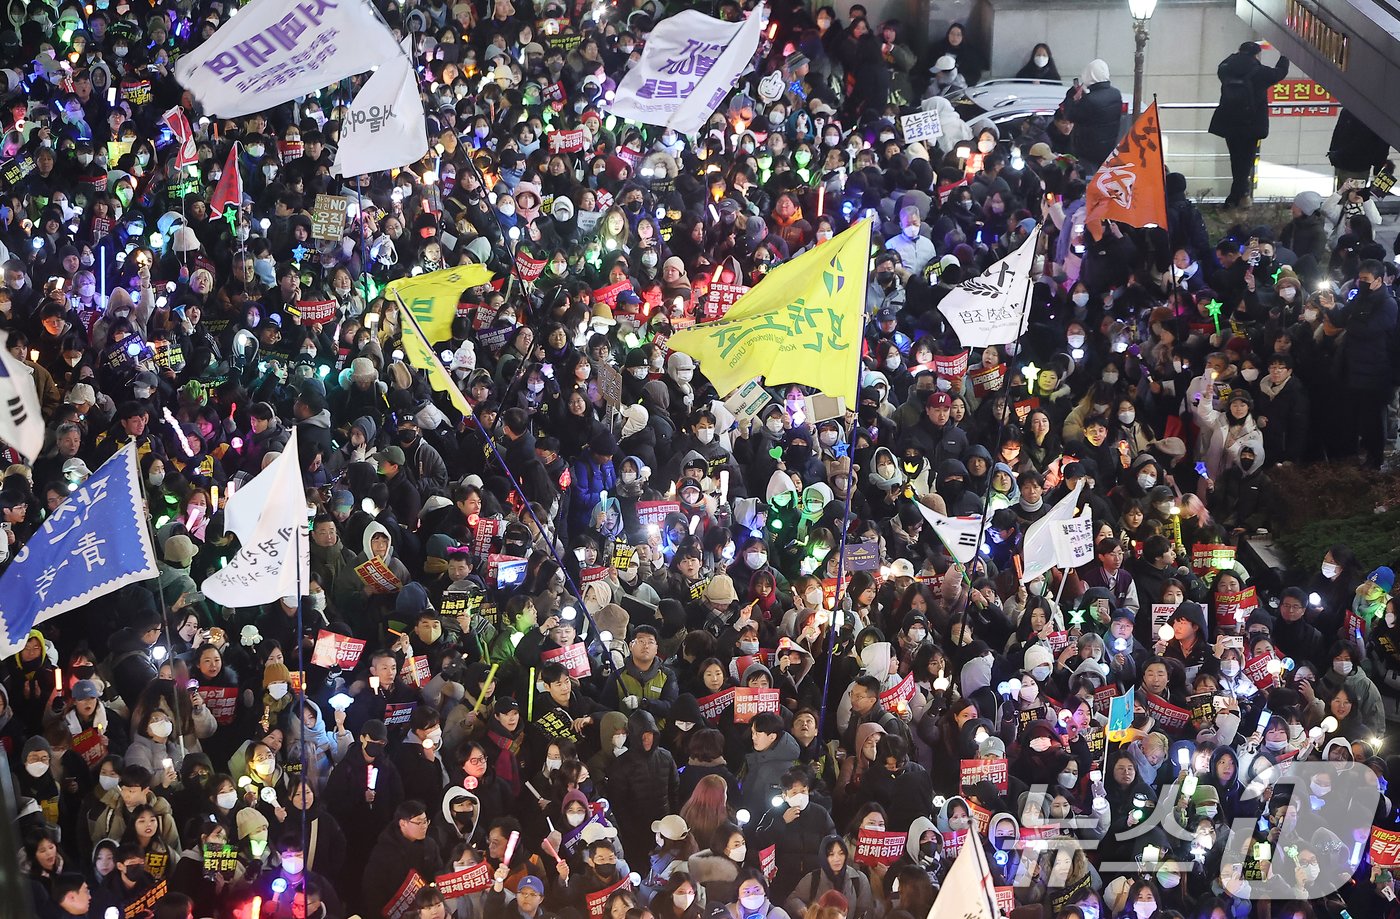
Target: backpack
(1234, 94)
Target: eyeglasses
(421, 821)
(477, 760)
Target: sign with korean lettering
(920, 126)
(137, 92)
(487, 529)
(984, 770)
(653, 513)
(396, 714)
(274, 51)
(711, 707)
(377, 577)
(874, 847)
(571, 141)
(1301, 98)
(901, 693)
(315, 312)
(982, 816)
(400, 904)
(768, 861)
(862, 556)
(91, 745)
(417, 670)
(1385, 847)
(574, 658)
(688, 64)
(527, 267)
(1167, 715)
(1231, 610)
(1257, 669)
(221, 860)
(598, 900)
(953, 841)
(328, 216)
(15, 169)
(951, 366)
(505, 570)
(1103, 697)
(1161, 612)
(609, 294)
(749, 702)
(747, 401)
(622, 555)
(1202, 706)
(1206, 558)
(987, 379)
(222, 701)
(145, 904)
(1006, 900)
(469, 880)
(721, 298)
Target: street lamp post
(1141, 11)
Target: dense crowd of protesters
(676, 543)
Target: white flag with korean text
(384, 127)
(274, 51)
(1045, 539)
(991, 308)
(21, 424)
(689, 63)
(269, 517)
(967, 891)
(1076, 546)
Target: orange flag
(1130, 186)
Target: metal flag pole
(1005, 415)
(165, 632)
(297, 536)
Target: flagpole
(845, 528)
(165, 630)
(1005, 414)
(515, 485)
(297, 536)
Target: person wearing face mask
(419, 758)
(353, 803)
(325, 745)
(1040, 65)
(1369, 318)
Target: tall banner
(991, 308)
(95, 542)
(274, 552)
(958, 534)
(275, 51)
(1130, 186)
(384, 127)
(21, 424)
(689, 63)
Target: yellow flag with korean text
(800, 324)
(432, 298)
(419, 353)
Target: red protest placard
(987, 379)
(401, 903)
(1103, 696)
(953, 841)
(417, 669)
(1385, 847)
(469, 880)
(574, 658)
(334, 650)
(598, 900)
(903, 691)
(91, 745)
(398, 713)
(951, 366)
(588, 576)
(721, 298)
(984, 770)
(1025, 406)
(1167, 715)
(653, 513)
(1006, 900)
(609, 294)
(1058, 641)
(768, 861)
(983, 818)
(748, 702)
(314, 312)
(528, 268)
(1231, 610)
(377, 577)
(874, 847)
(487, 529)
(1257, 669)
(713, 706)
(566, 141)
(222, 702)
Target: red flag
(229, 191)
(1131, 186)
(186, 154)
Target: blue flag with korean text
(94, 543)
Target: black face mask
(607, 870)
(884, 278)
(951, 489)
(374, 748)
(407, 436)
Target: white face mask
(798, 800)
(36, 769)
(683, 900)
(1127, 417)
(108, 782)
(704, 435)
(755, 560)
(1342, 667)
(1144, 908)
(161, 729)
(1041, 60)
(827, 438)
(1147, 480)
(620, 742)
(1067, 779)
(575, 819)
(1250, 374)
(684, 376)
(277, 690)
(1230, 669)
(957, 823)
(1029, 693)
(752, 901)
(1288, 294)
(813, 598)
(1319, 789)
(986, 146)
(1330, 571)
(1040, 744)
(774, 426)
(738, 852)
(227, 800)
(917, 635)
(292, 864)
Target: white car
(1011, 100)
